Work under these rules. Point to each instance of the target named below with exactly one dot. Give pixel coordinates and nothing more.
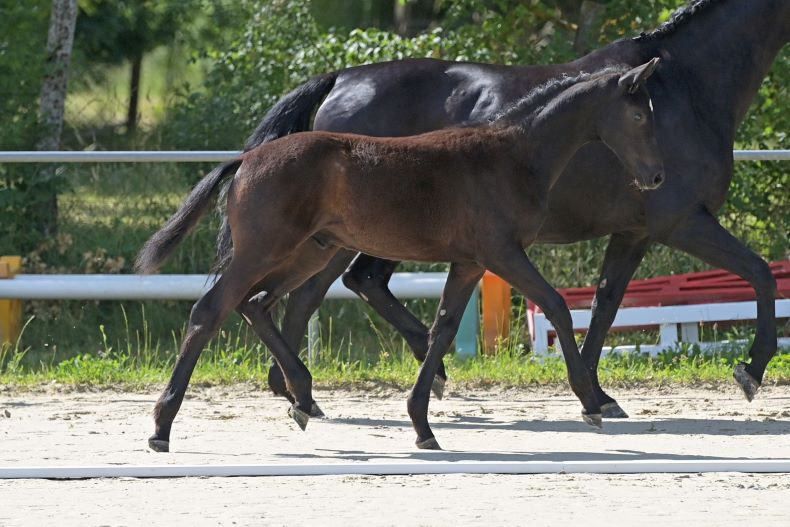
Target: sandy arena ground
(244, 425)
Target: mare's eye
(637, 116)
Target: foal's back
(421, 190)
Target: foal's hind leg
(460, 285)
(305, 261)
(297, 378)
(207, 315)
(511, 263)
(301, 304)
(368, 277)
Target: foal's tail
(291, 114)
(161, 245)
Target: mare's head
(625, 123)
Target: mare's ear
(631, 80)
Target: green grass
(137, 361)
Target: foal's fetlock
(277, 383)
(300, 416)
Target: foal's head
(625, 123)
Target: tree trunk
(60, 40)
(591, 17)
(413, 16)
(134, 94)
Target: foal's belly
(403, 239)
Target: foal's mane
(536, 99)
(678, 19)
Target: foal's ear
(632, 79)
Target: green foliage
(282, 45)
(112, 31)
(758, 204)
(23, 37)
(24, 189)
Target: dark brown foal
(473, 196)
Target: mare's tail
(291, 114)
(162, 244)
(293, 111)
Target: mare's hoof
(748, 384)
(316, 412)
(158, 445)
(299, 416)
(428, 444)
(438, 387)
(613, 411)
(593, 419)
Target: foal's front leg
(460, 285)
(623, 255)
(511, 263)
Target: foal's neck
(559, 129)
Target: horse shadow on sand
(672, 426)
(493, 456)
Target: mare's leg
(207, 315)
(702, 236)
(511, 263)
(368, 277)
(301, 304)
(623, 255)
(459, 287)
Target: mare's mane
(678, 19)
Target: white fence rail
(676, 323)
(188, 156)
(176, 286)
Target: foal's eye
(637, 116)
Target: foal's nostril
(658, 179)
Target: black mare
(715, 55)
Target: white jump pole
(643, 466)
(177, 287)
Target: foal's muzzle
(651, 182)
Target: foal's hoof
(158, 445)
(438, 387)
(316, 412)
(748, 384)
(593, 419)
(613, 411)
(428, 444)
(299, 416)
